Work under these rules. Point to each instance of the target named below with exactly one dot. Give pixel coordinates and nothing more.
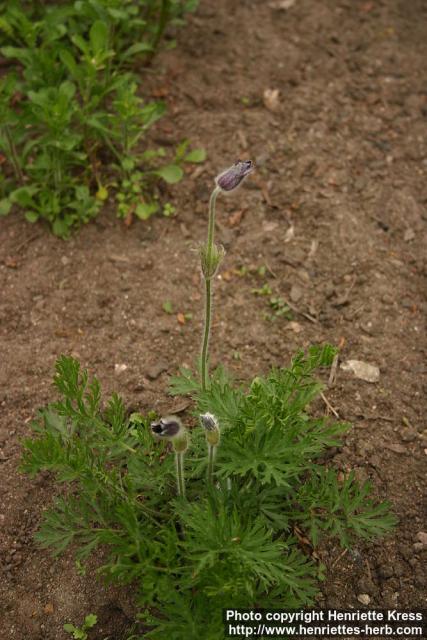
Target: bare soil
(336, 213)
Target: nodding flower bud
(211, 426)
(171, 428)
(209, 422)
(233, 176)
(210, 261)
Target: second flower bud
(210, 259)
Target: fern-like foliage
(226, 544)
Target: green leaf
(81, 44)
(138, 47)
(181, 150)
(14, 52)
(31, 216)
(171, 173)
(70, 628)
(60, 228)
(128, 164)
(196, 156)
(167, 307)
(24, 196)
(117, 14)
(99, 36)
(152, 112)
(145, 210)
(68, 60)
(5, 206)
(90, 620)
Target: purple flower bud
(168, 427)
(208, 421)
(231, 178)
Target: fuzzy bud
(233, 176)
(171, 428)
(168, 427)
(210, 263)
(211, 426)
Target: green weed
(80, 633)
(71, 117)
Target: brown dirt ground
(337, 214)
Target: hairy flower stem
(208, 291)
(179, 459)
(211, 458)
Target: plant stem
(13, 154)
(163, 20)
(206, 333)
(179, 458)
(211, 458)
(208, 291)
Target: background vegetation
(72, 122)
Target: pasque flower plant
(212, 254)
(224, 535)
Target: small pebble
(387, 299)
(296, 293)
(119, 368)
(409, 435)
(422, 537)
(405, 551)
(409, 235)
(362, 370)
(366, 586)
(386, 571)
(155, 370)
(364, 598)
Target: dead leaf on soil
(11, 263)
(271, 99)
(396, 448)
(269, 226)
(304, 542)
(290, 234)
(282, 5)
(129, 218)
(409, 235)
(227, 275)
(181, 318)
(313, 248)
(265, 190)
(235, 219)
(160, 92)
(63, 333)
(242, 139)
(180, 407)
(114, 257)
